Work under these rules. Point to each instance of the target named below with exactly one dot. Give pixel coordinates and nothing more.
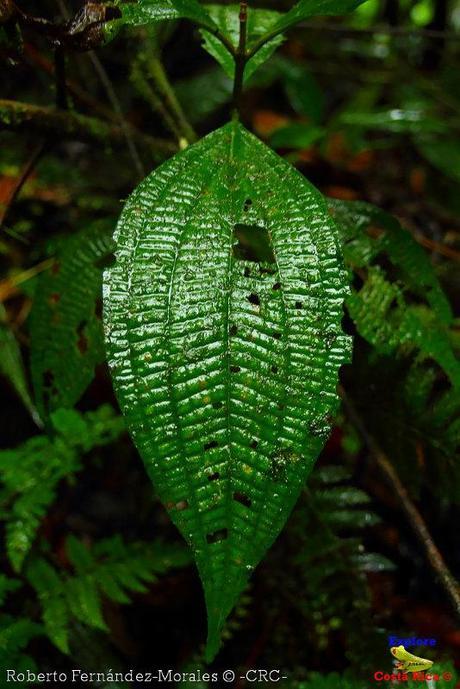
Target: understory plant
(225, 304)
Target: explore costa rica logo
(409, 667)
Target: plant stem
(240, 59)
(161, 96)
(415, 519)
(18, 116)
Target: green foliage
(443, 153)
(11, 364)
(403, 313)
(15, 635)
(31, 472)
(240, 355)
(142, 12)
(6, 586)
(329, 564)
(66, 333)
(311, 8)
(111, 569)
(226, 18)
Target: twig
(21, 180)
(166, 92)
(415, 519)
(437, 247)
(113, 98)
(240, 58)
(161, 97)
(60, 79)
(18, 116)
(8, 287)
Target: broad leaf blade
(66, 334)
(145, 12)
(223, 324)
(314, 8)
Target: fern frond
(111, 569)
(66, 334)
(7, 585)
(405, 312)
(15, 635)
(31, 472)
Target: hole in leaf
(298, 304)
(233, 330)
(267, 271)
(105, 261)
(254, 299)
(347, 324)
(235, 369)
(243, 499)
(48, 378)
(217, 405)
(214, 477)
(211, 445)
(247, 272)
(277, 335)
(254, 444)
(181, 505)
(112, 13)
(98, 308)
(217, 536)
(276, 286)
(274, 369)
(253, 244)
(82, 340)
(247, 205)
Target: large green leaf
(66, 334)
(143, 12)
(312, 8)
(223, 323)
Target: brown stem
(240, 58)
(47, 121)
(415, 519)
(21, 180)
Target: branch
(415, 519)
(240, 57)
(47, 121)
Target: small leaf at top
(313, 8)
(223, 324)
(227, 19)
(145, 12)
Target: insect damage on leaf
(223, 317)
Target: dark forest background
(94, 575)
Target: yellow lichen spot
(206, 400)
(202, 383)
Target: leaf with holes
(66, 334)
(223, 323)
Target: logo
(407, 662)
(411, 668)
